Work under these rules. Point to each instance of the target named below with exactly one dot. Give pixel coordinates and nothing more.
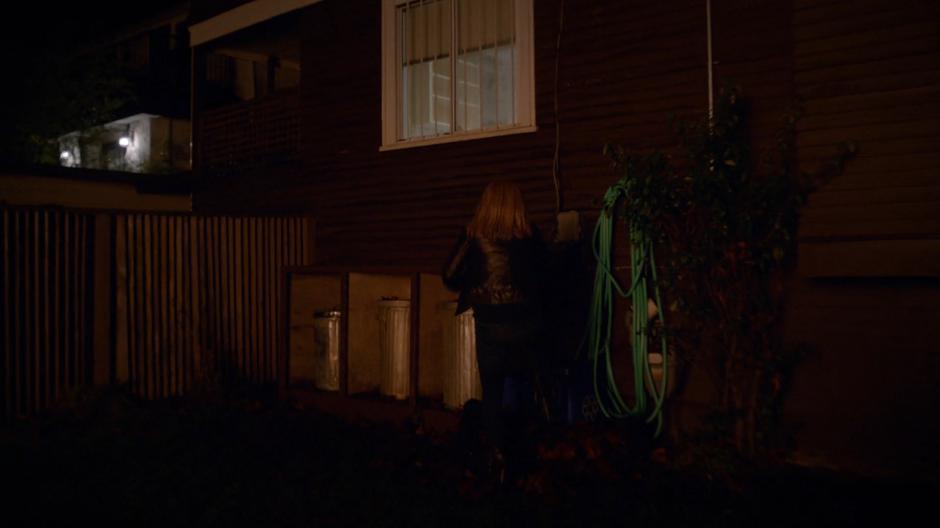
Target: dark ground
(110, 459)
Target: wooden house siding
(864, 72)
(869, 72)
(866, 294)
(624, 67)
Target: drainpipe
(192, 108)
(711, 62)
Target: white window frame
(524, 86)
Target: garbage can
(326, 326)
(461, 372)
(657, 371)
(395, 348)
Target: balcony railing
(251, 134)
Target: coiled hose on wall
(643, 270)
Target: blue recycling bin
(568, 393)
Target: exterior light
(124, 141)
(65, 155)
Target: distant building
(138, 143)
(153, 132)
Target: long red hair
(501, 214)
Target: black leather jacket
(499, 279)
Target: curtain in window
(478, 87)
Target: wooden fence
(198, 295)
(151, 300)
(45, 333)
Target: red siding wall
(866, 71)
(624, 67)
(868, 295)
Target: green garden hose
(643, 269)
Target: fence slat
(162, 294)
(214, 276)
(74, 312)
(275, 295)
(86, 351)
(174, 266)
(195, 300)
(256, 295)
(150, 330)
(82, 253)
(229, 286)
(172, 309)
(191, 318)
(18, 310)
(160, 302)
(57, 336)
(168, 298)
(283, 254)
(45, 363)
(36, 324)
(232, 290)
(267, 268)
(120, 298)
(238, 283)
(55, 330)
(134, 287)
(248, 296)
(9, 379)
(274, 298)
(251, 301)
(222, 338)
(213, 236)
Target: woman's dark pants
(507, 350)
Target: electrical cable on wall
(556, 162)
(711, 63)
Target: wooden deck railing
(249, 134)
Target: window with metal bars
(456, 69)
